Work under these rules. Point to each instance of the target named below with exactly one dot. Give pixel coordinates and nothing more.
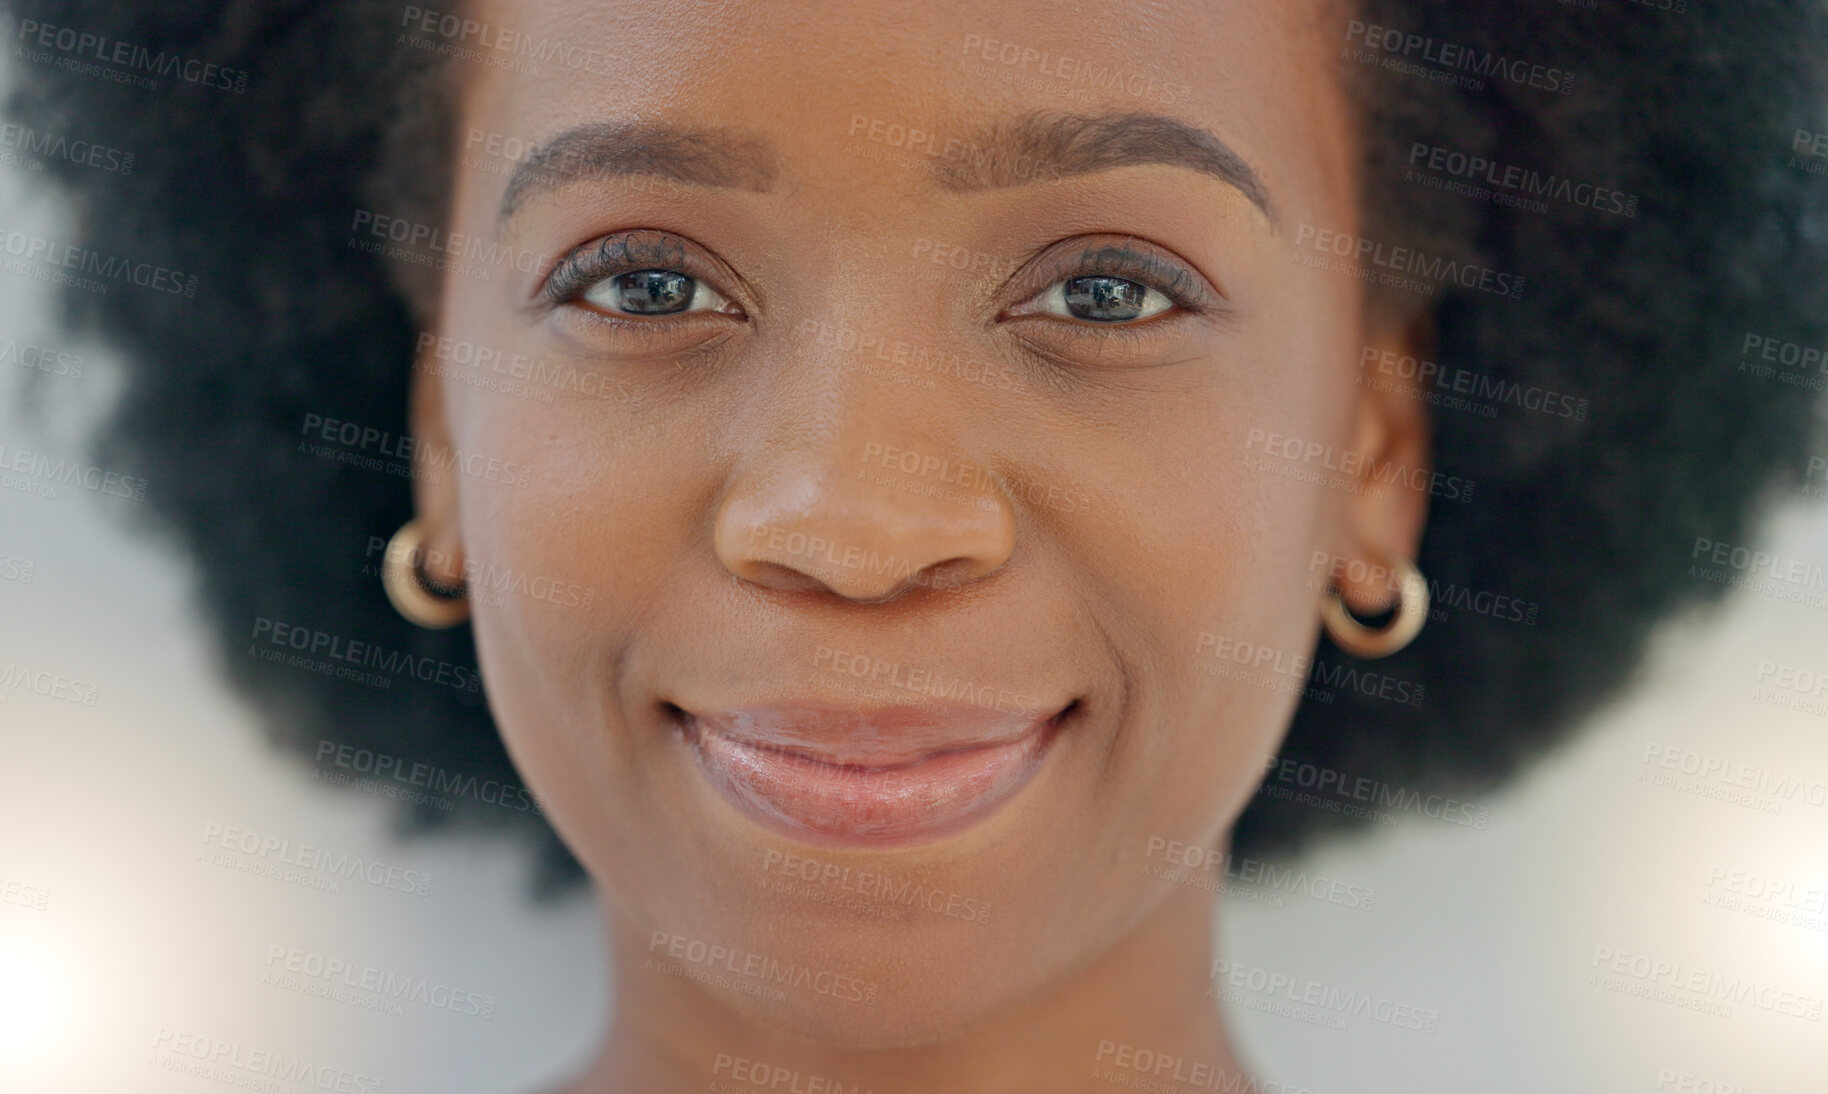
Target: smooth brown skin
(730, 424)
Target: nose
(859, 517)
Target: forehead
(870, 90)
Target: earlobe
(1409, 613)
(421, 600)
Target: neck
(1115, 1020)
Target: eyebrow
(698, 157)
(1028, 150)
(1046, 147)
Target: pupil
(654, 292)
(1105, 299)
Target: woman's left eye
(1102, 298)
(653, 292)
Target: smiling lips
(879, 777)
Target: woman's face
(881, 449)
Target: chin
(925, 1003)
(844, 976)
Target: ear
(1394, 442)
(434, 483)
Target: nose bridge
(854, 480)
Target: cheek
(563, 563)
(599, 505)
(1224, 615)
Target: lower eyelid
(631, 336)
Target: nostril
(863, 543)
(776, 575)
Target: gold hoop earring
(411, 593)
(1361, 641)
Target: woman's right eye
(653, 292)
(640, 282)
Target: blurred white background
(104, 810)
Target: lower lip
(851, 806)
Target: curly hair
(1638, 309)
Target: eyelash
(585, 266)
(589, 264)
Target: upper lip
(869, 737)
